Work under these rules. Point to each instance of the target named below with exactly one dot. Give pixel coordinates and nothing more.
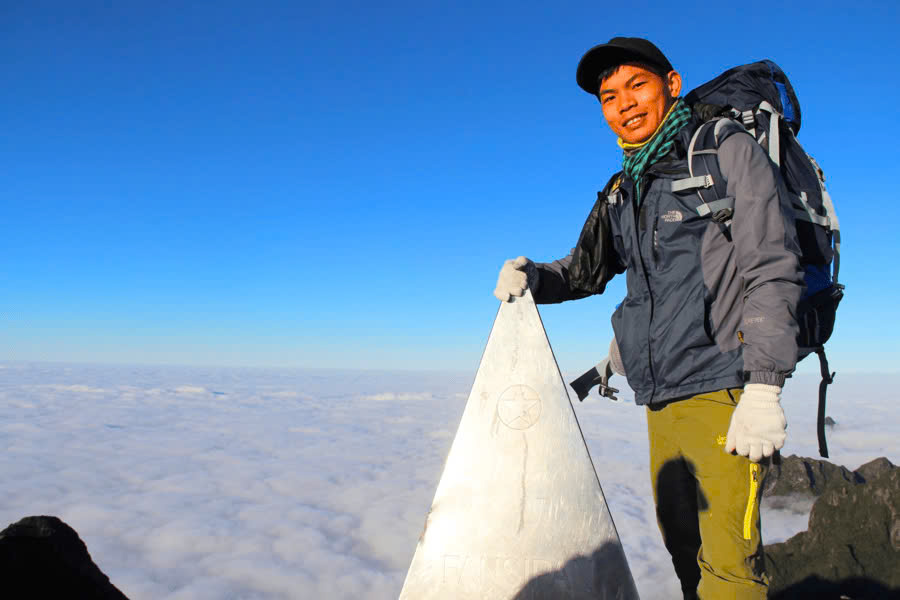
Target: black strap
(827, 378)
(598, 375)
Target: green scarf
(636, 161)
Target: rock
(874, 468)
(796, 475)
(42, 557)
(852, 546)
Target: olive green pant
(707, 501)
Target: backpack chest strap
(690, 183)
(774, 143)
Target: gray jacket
(708, 306)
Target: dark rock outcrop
(42, 557)
(874, 469)
(852, 547)
(795, 475)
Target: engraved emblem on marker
(519, 407)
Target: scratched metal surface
(518, 512)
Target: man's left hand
(758, 427)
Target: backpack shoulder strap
(774, 144)
(832, 220)
(705, 175)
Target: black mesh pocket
(816, 314)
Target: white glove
(758, 425)
(515, 277)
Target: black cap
(617, 51)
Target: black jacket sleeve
(589, 266)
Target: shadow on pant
(679, 501)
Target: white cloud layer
(190, 484)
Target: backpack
(760, 97)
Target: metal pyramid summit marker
(519, 513)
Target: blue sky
(333, 184)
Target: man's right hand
(515, 276)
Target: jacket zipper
(656, 241)
(656, 261)
(645, 188)
(646, 181)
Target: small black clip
(720, 216)
(607, 391)
(596, 376)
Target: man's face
(635, 100)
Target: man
(707, 331)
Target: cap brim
(598, 59)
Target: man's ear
(673, 82)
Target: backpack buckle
(749, 119)
(723, 215)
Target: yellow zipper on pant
(751, 501)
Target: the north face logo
(673, 216)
